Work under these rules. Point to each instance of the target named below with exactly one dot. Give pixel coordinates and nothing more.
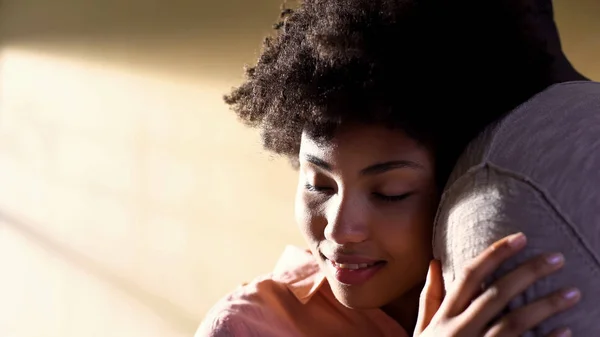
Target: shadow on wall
(190, 38)
(207, 38)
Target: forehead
(365, 144)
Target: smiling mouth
(351, 266)
(353, 274)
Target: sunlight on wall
(126, 197)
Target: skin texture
(340, 208)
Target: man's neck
(546, 31)
(565, 72)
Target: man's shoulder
(575, 86)
(565, 109)
(546, 140)
(539, 162)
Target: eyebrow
(370, 170)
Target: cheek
(409, 230)
(308, 218)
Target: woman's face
(365, 204)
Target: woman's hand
(468, 311)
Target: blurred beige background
(130, 197)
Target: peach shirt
(294, 300)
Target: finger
(497, 296)
(431, 297)
(478, 270)
(528, 317)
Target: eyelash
(313, 188)
(385, 198)
(392, 198)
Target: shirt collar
(300, 272)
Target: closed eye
(392, 198)
(319, 189)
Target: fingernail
(555, 259)
(565, 333)
(517, 240)
(571, 294)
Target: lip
(352, 260)
(353, 276)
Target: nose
(347, 220)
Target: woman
(331, 94)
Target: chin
(363, 297)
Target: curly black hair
(423, 66)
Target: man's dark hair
(439, 70)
